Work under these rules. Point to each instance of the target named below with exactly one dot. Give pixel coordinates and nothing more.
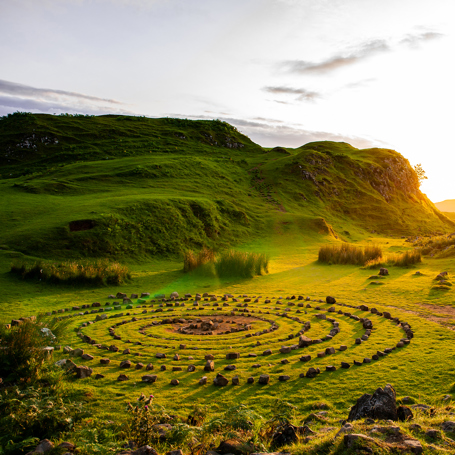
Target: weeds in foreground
(228, 264)
(21, 348)
(97, 273)
(34, 413)
(345, 253)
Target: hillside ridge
(140, 187)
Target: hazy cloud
(360, 84)
(302, 94)
(14, 96)
(415, 39)
(13, 88)
(364, 51)
(355, 55)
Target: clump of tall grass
(228, 264)
(192, 260)
(407, 258)
(98, 273)
(241, 264)
(399, 260)
(375, 263)
(345, 253)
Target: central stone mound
(213, 325)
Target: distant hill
(119, 186)
(446, 206)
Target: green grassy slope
(136, 187)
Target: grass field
(158, 195)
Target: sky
(373, 73)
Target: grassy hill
(121, 186)
(142, 191)
(446, 206)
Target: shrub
(228, 264)
(144, 415)
(21, 348)
(241, 264)
(345, 253)
(97, 273)
(407, 258)
(192, 261)
(31, 414)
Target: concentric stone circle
(250, 335)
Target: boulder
(330, 300)
(125, 364)
(220, 380)
(232, 446)
(123, 377)
(44, 446)
(383, 271)
(149, 378)
(404, 413)
(232, 355)
(312, 372)
(209, 365)
(304, 341)
(379, 406)
(83, 371)
(264, 379)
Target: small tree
(420, 173)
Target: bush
(192, 261)
(228, 264)
(32, 414)
(240, 264)
(345, 253)
(407, 258)
(144, 415)
(21, 353)
(95, 273)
